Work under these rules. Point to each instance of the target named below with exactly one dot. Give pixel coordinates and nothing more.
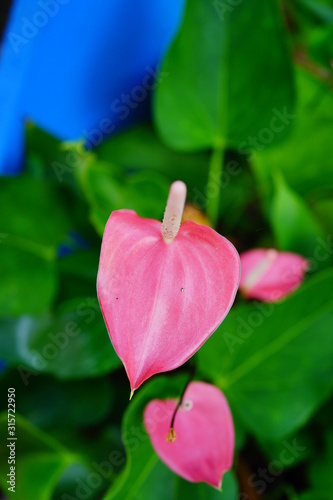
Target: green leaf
(71, 343)
(39, 462)
(321, 44)
(144, 192)
(34, 214)
(201, 491)
(145, 476)
(74, 484)
(47, 158)
(218, 85)
(39, 474)
(315, 495)
(28, 282)
(274, 361)
(306, 158)
(52, 404)
(303, 445)
(33, 222)
(321, 470)
(323, 210)
(139, 148)
(81, 264)
(294, 226)
(40, 146)
(320, 11)
(77, 274)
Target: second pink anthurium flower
(163, 290)
(270, 275)
(203, 445)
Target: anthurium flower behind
(204, 445)
(270, 275)
(163, 292)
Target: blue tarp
(79, 68)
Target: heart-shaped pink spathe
(270, 275)
(162, 297)
(204, 446)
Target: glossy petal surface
(161, 301)
(203, 450)
(270, 275)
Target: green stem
(213, 186)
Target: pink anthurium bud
(270, 275)
(163, 290)
(200, 445)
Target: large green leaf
(77, 274)
(218, 84)
(202, 491)
(306, 158)
(33, 222)
(139, 148)
(294, 226)
(46, 157)
(107, 189)
(274, 361)
(71, 343)
(39, 463)
(28, 282)
(145, 476)
(79, 481)
(34, 215)
(80, 264)
(54, 404)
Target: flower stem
(171, 437)
(214, 181)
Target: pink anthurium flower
(270, 275)
(163, 290)
(200, 446)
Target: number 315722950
(11, 406)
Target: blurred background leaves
(229, 72)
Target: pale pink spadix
(163, 292)
(204, 446)
(270, 275)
